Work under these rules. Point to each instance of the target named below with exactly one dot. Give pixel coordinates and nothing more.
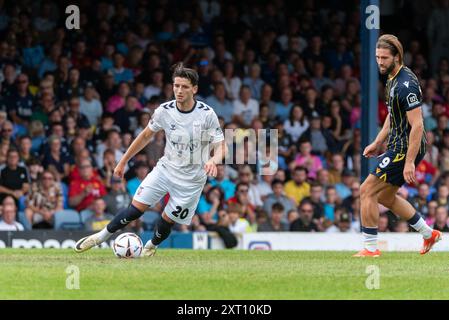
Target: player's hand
(370, 151)
(119, 170)
(210, 168)
(409, 173)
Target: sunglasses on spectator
(22, 81)
(243, 190)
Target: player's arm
(415, 120)
(138, 144)
(220, 150)
(383, 133)
(371, 149)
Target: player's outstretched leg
(121, 220)
(406, 211)
(161, 232)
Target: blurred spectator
(278, 196)
(298, 188)
(330, 203)
(276, 221)
(90, 106)
(226, 185)
(383, 223)
(316, 199)
(100, 218)
(141, 169)
(237, 224)
(245, 108)
(8, 219)
(343, 224)
(441, 218)
(126, 117)
(296, 124)
(14, 179)
(231, 82)
(284, 105)
(337, 165)
(21, 102)
(305, 220)
(306, 159)
(253, 81)
(241, 198)
(221, 105)
(419, 202)
(117, 197)
(84, 190)
(56, 160)
(210, 204)
(344, 187)
(43, 201)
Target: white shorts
(183, 200)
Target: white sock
(370, 235)
(149, 244)
(104, 234)
(421, 226)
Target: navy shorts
(390, 167)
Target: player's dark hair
(391, 42)
(182, 72)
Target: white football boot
(88, 242)
(149, 250)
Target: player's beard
(390, 69)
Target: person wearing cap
(342, 223)
(90, 106)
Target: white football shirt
(188, 136)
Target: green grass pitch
(221, 274)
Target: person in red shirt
(423, 169)
(83, 191)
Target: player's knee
(367, 191)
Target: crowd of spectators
(72, 101)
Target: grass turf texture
(189, 274)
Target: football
(127, 245)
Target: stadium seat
(65, 195)
(68, 220)
(85, 215)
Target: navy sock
(161, 232)
(413, 220)
(123, 218)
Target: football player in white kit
(191, 127)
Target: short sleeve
(214, 129)
(155, 123)
(410, 96)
